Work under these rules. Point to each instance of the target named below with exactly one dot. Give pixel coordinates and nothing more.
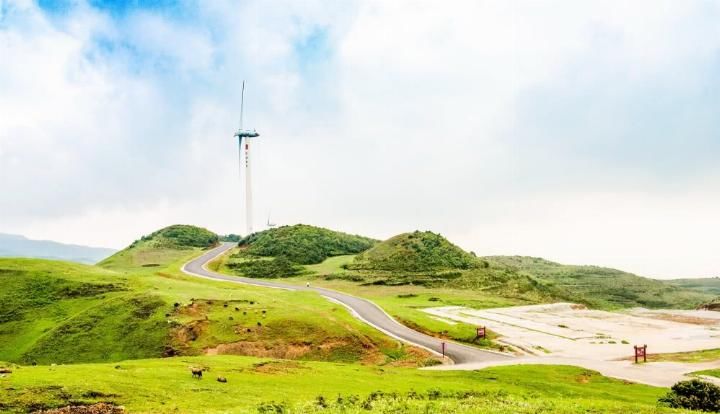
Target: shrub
(693, 395)
(267, 268)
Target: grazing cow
(197, 372)
(221, 379)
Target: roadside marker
(640, 351)
(443, 349)
(481, 332)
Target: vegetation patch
(414, 252)
(604, 288)
(303, 244)
(143, 386)
(265, 268)
(694, 395)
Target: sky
(582, 132)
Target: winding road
(363, 309)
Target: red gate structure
(481, 332)
(640, 352)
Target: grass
(56, 312)
(604, 288)
(709, 372)
(303, 244)
(709, 285)
(166, 386)
(694, 356)
(405, 302)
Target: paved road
(361, 308)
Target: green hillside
(603, 287)
(710, 285)
(280, 252)
(138, 304)
(303, 244)
(415, 252)
(61, 312)
(161, 247)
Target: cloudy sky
(583, 132)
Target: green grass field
(107, 327)
(140, 305)
(264, 385)
(695, 356)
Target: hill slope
(62, 312)
(603, 287)
(12, 245)
(709, 285)
(161, 247)
(139, 305)
(303, 244)
(415, 252)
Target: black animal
(221, 379)
(197, 372)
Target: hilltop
(161, 247)
(415, 252)
(12, 245)
(282, 251)
(304, 244)
(602, 287)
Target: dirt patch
(195, 309)
(99, 408)
(189, 332)
(262, 349)
(278, 367)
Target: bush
(693, 395)
(266, 268)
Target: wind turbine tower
(246, 134)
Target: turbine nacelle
(246, 133)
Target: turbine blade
(242, 104)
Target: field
(263, 385)
(128, 331)
(140, 305)
(403, 302)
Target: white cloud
(512, 127)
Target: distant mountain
(12, 245)
(707, 284)
(602, 287)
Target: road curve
(363, 309)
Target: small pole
(443, 349)
(645, 353)
(636, 353)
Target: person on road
(307, 284)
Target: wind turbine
(247, 134)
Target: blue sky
(583, 132)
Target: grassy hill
(161, 247)
(603, 287)
(415, 252)
(61, 312)
(710, 285)
(303, 244)
(280, 252)
(137, 304)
